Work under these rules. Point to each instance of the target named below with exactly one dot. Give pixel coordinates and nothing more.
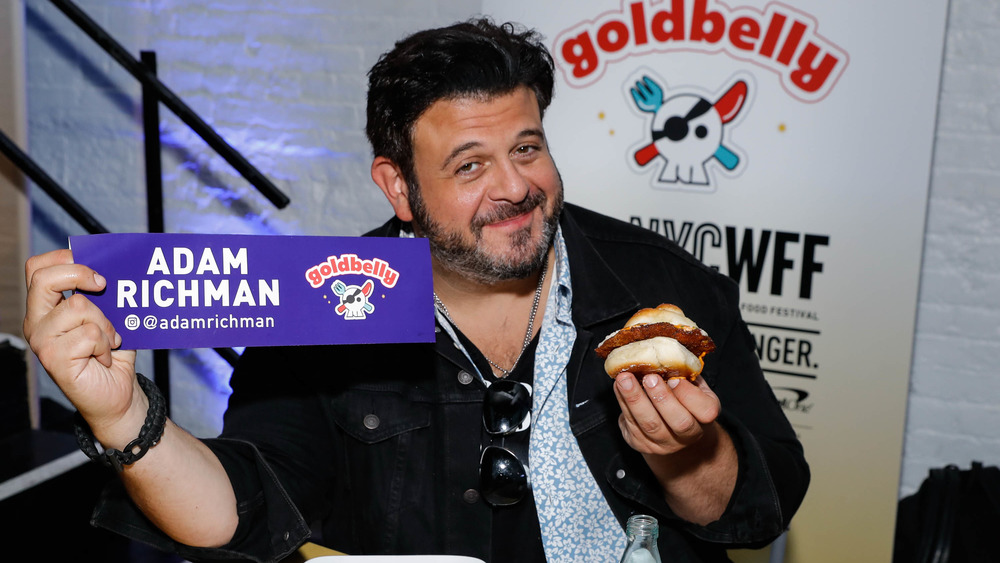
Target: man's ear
(386, 174)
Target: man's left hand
(664, 417)
(673, 425)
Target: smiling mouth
(519, 218)
(512, 213)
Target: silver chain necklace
(527, 335)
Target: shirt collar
(562, 287)
(562, 283)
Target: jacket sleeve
(272, 435)
(773, 473)
(270, 526)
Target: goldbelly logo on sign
(687, 137)
(781, 39)
(354, 299)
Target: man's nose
(509, 184)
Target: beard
(459, 255)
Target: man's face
(489, 195)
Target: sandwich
(661, 341)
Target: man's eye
(467, 167)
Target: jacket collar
(598, 293)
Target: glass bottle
(641, 531)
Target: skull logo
(687, 130)
(354, 303)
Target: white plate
(396, 559)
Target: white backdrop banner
(789, 146)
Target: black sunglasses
(503, 479)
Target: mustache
(506, 211)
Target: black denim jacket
(380, 443)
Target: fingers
(655, 417)
(699, 399)
(75, 329)
(65, 332)
(47, 277)
(76, 346)
(663, 417)
(61, 256)
(50, 281)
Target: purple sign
(209, 291)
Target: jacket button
(471, 496)
(372, 421)
(464, 377)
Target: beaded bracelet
(149, 435)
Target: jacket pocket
(372, 417)
(381, 430)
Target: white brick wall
(285, 86)
(954, 404)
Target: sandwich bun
(660, 354)
(661, 341)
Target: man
(393, 447)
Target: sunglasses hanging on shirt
(503, 477)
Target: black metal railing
(37, 175)
(154, 92)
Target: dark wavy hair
(476, 58)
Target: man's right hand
(180, 484)
(78, 346)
